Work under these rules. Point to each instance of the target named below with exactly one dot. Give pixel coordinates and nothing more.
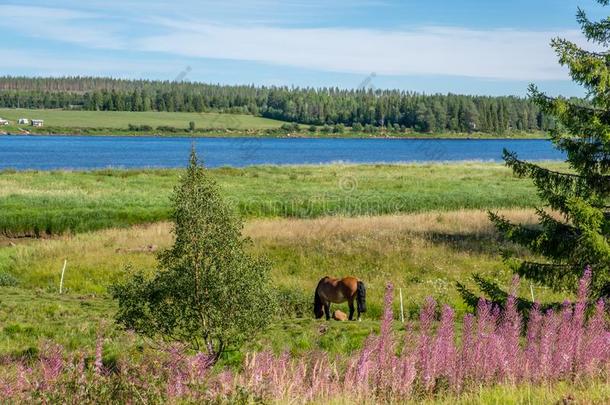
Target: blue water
(79, 152)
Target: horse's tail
(361, 297)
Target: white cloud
(502, 54)
(65, 25)
(493, 54)
(48, 64)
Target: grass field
(39, 203)
(423, 254)
(425, 227)
(122, 119)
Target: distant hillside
(365, 109)
(163, 122)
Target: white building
(3, 122)
(37, 123)
(23, 121)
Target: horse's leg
(350, 303)
(327, 310)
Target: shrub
(8, 280)
(166, 128)
(290, 127)
(295, 303)
(140, 128)
(339, 129)
(209, 292)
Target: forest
(362, 109)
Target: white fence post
(61, 282)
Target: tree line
(312, 106)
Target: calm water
(71, 152)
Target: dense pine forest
(363, 109)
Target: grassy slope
(121, 119)
(53, 202)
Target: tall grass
(422, 253)
(430, 362)
(48, 203)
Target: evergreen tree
(208, 291)
(574, 230)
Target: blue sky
(462, 46)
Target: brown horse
(339, 290)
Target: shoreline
(431, 137)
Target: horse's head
(318, 306)
(318, 310)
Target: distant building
(3, 122)
(37, 123)
(23, 121)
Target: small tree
(192, 126)
(208, 291)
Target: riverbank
(255, 133)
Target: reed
(36, 203)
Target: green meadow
(423, 227)
(122, 119)
(423, 254)
(36, 203)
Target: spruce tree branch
(558, 276)
(552, 238)
(514, 160)
(549, 182)
(550, 100)
(569, 46)
(594, 31)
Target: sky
(488, 47)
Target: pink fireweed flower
(532, 347)
(98, 364)
(385, 346)
(424, 352)
(444, 347)
(510, 332)
(467, 365)
(563, 344)
(51, 363)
